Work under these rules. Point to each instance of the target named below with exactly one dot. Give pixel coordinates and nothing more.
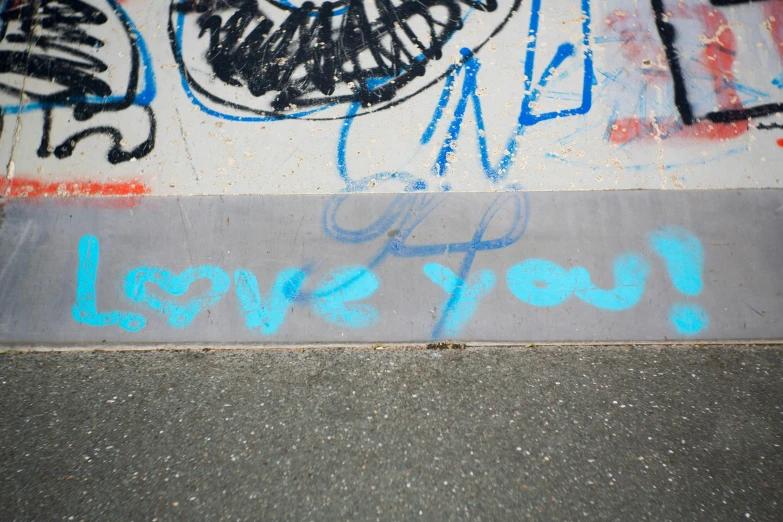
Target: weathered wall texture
(277, 97)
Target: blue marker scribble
(342, 285)
(465, 295)
(469, 69)
(178, 316)
(86, 310)
(527, 116)
(408, 212)
(412, 184)
(312, 14)
(564, 51)
(445, 95)
(267, 314)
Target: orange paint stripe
(33, 188)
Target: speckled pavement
(542, 433)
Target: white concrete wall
(601, 110)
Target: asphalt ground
(544, 433)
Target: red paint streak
(639, 46)
(780, 142)
(33, 188)
(123, 194)
(717, 58)
(773, 12)
(624, 130)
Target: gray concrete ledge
(512, 267)
(13, 349)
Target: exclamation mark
(684, 258)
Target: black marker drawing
(65, 53)
(297, 60)
(722, 3)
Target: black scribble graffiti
(668, 34)
(52, 56)
(311, 56)
(722, 3)
(769, 126)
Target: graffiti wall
(119, 97)
(305, 149)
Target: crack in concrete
(185, 142)
(11, 167)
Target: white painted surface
(200, 153)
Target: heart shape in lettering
(178, 315)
